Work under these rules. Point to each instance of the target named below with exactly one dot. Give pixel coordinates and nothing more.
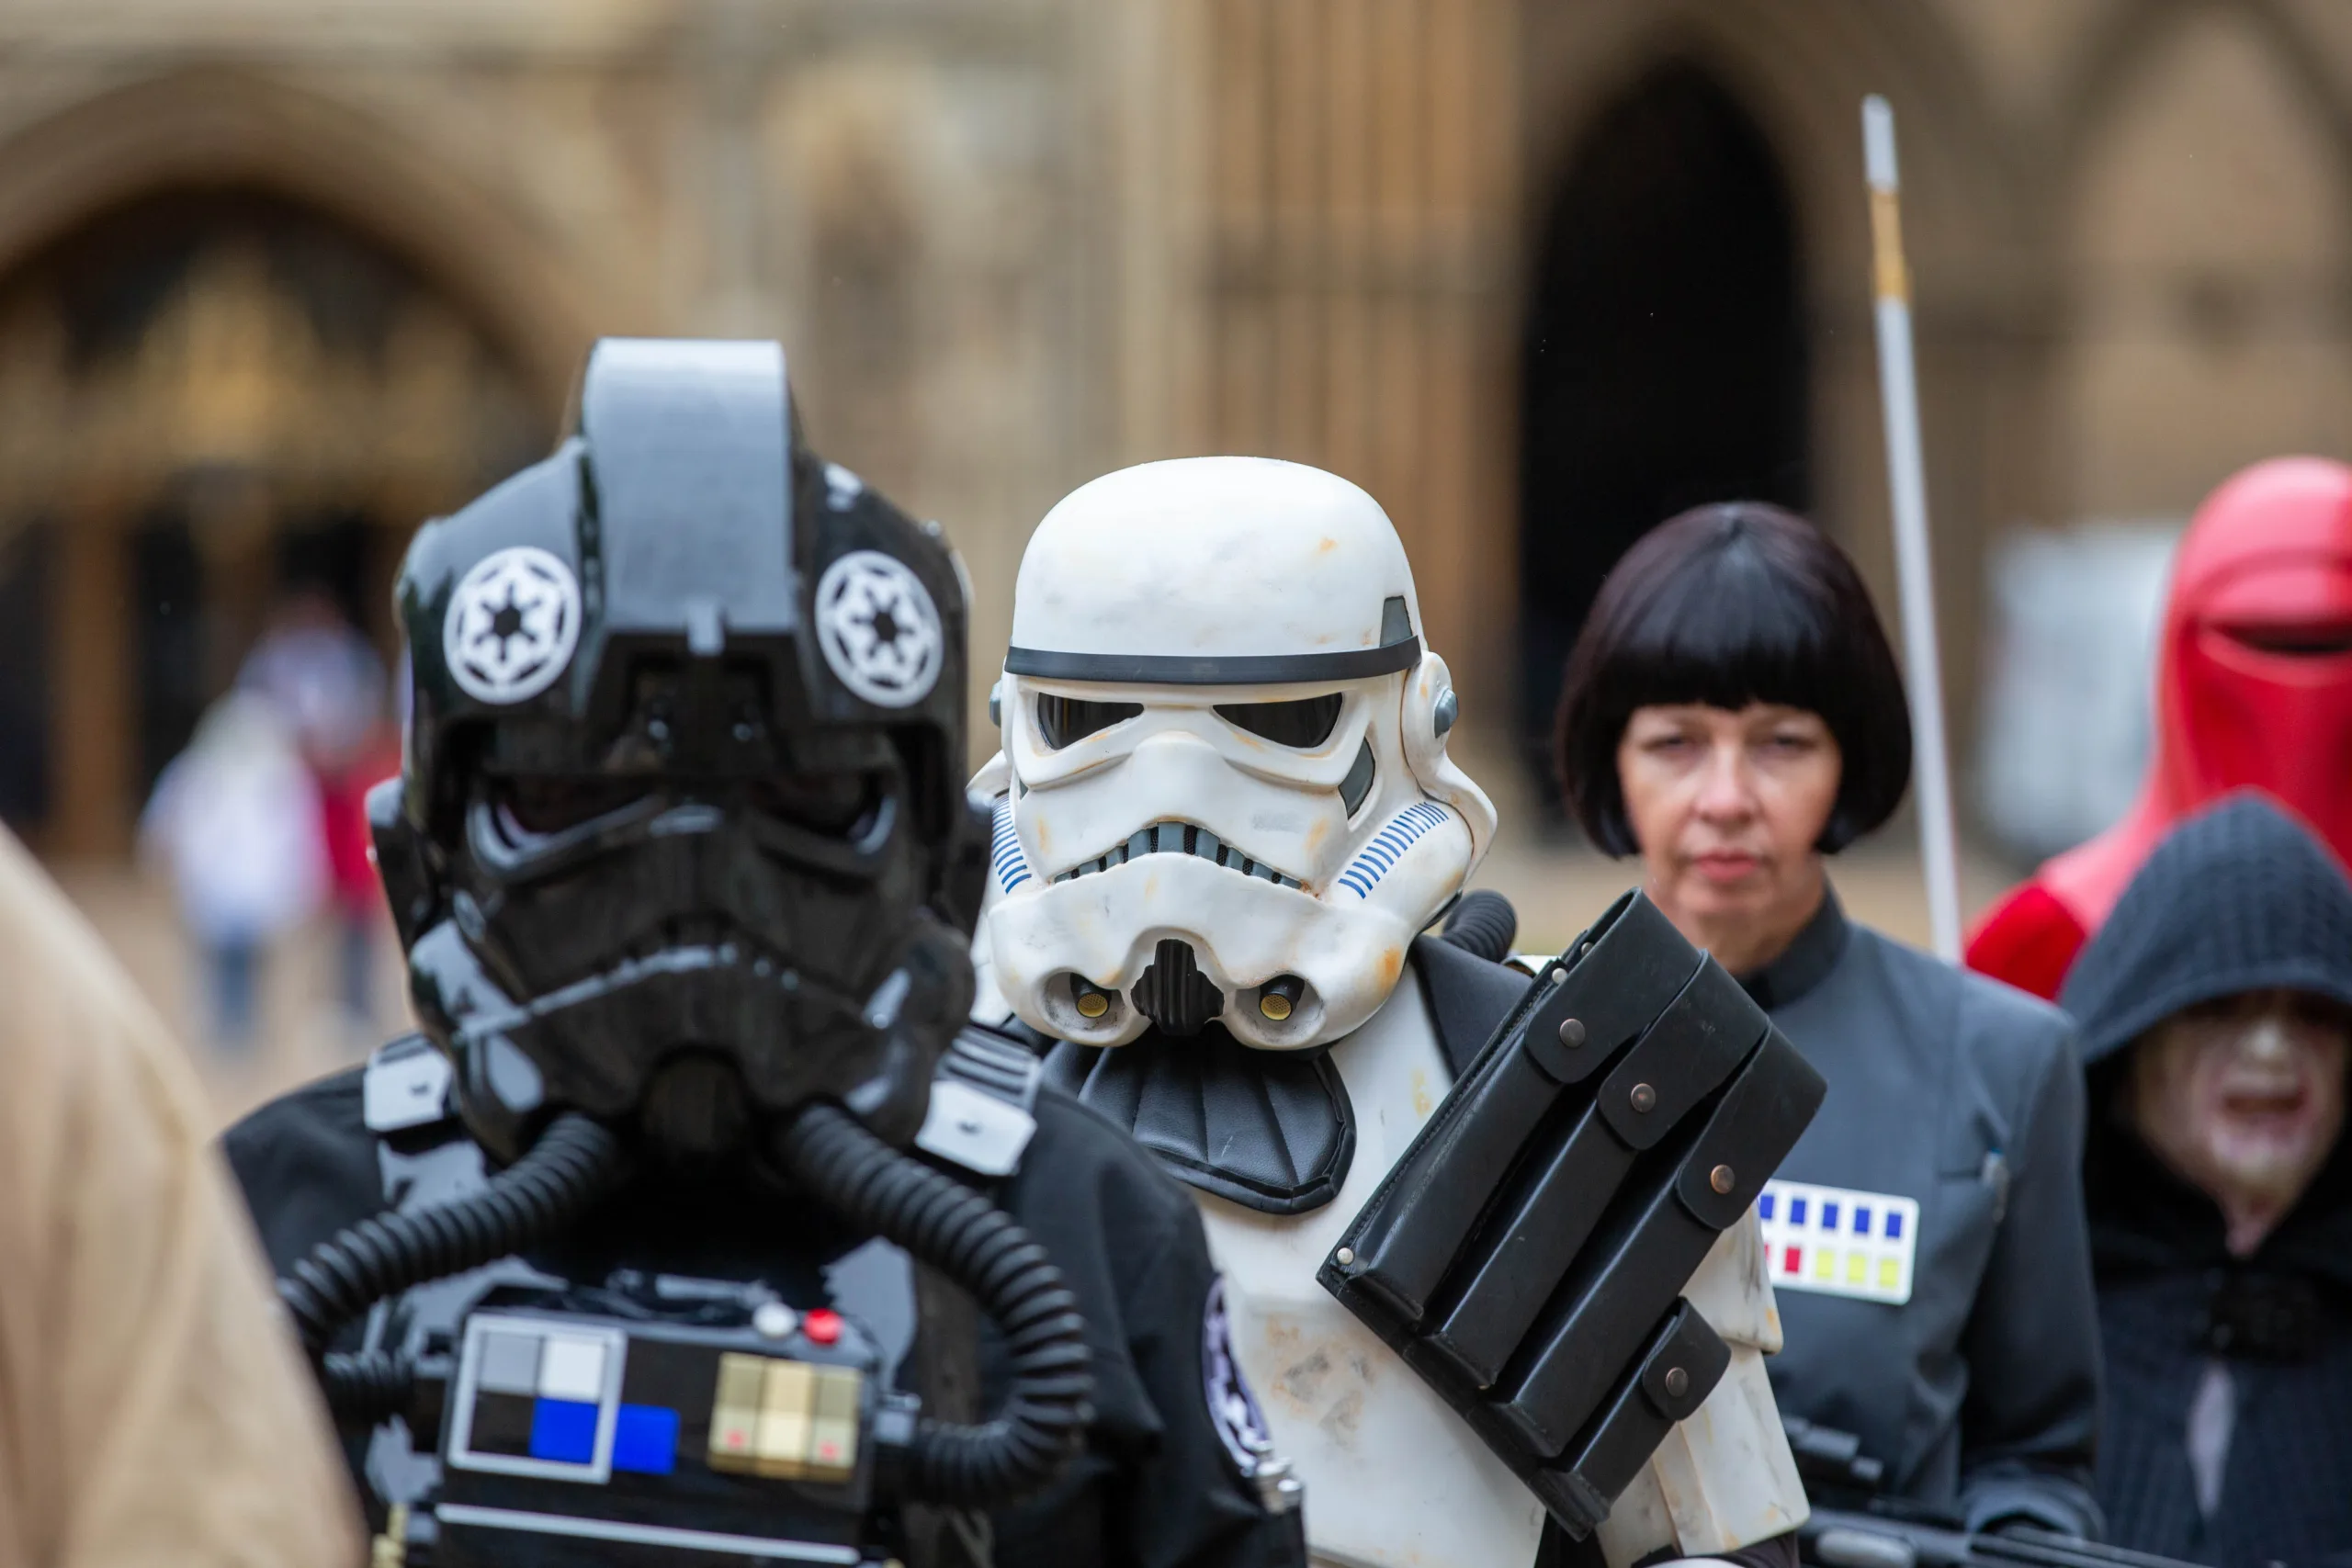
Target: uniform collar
(1808, 959)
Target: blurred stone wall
(1009, 244)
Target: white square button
(573, 1368)
(510, 1363)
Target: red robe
(2254, 690)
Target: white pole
(1915, 567)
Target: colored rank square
(1835, 1241)
(563, 1430)
(645, 1440)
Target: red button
(821, 1326)
(1794, 1258)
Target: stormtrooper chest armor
(1393, 1475)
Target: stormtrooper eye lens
(551, 803)
(1303, 723)
(1358, 783)
(1064, 721)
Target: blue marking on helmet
(1376, 859)
(1012, 865)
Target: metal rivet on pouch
(1572, 1032)
(1721, 1179)
(1678, 1382)
(1644, 1097)
(1344, 1256)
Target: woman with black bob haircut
(1733, 715)
(1727, 605)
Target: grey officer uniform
(1980, 1392)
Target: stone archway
(222, 127)
(245, 347)
(247, 336)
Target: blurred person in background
(328, 683)
(2254, 689)
(1733, 715)
(234, 822)
(152, 1407)
(2216, 1013)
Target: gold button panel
(785, 1420)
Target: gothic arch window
(211, 398)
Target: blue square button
(1828, 1216)
(1764, 1206)
(1894, 1224)
(564, 1430)
(645, 1440)
(1796, 1210)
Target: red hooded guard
(2253, 688)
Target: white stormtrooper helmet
(1224, 792)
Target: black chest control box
(583, 1427)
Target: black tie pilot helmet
(680, 829)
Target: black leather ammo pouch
(1527, 1255)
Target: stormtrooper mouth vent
(1181, 838)
(1174, 994)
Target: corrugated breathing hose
(575, 1162)
(832, 1156)
(863, 1180)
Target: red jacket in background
(343, 803)
(2254, 689)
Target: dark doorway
(333, 555)
(25, 555)
(172, 629)
(1664, 363)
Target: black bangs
(1724, 631)
(1727, 605)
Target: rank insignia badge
(1838, 1242)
